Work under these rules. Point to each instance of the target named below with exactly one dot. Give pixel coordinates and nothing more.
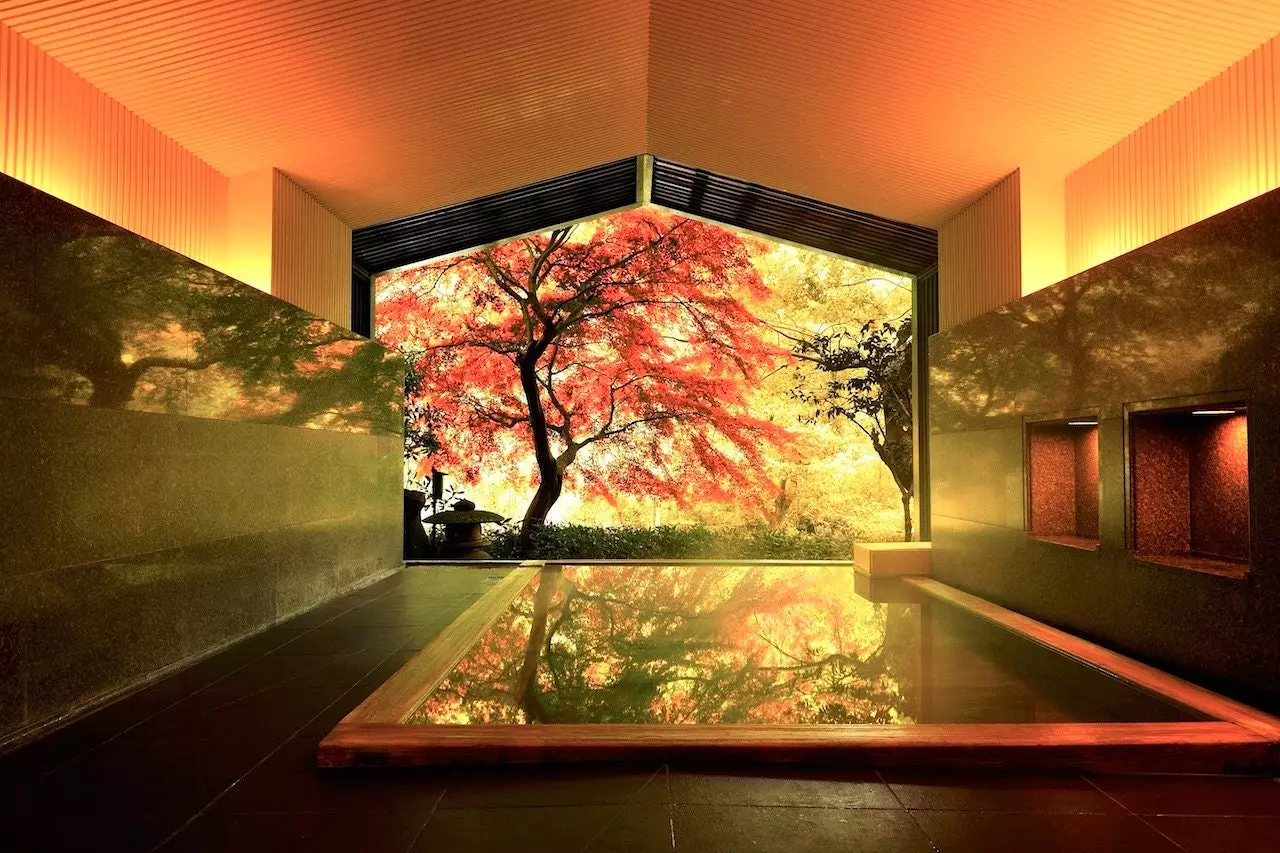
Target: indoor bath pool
(782, 663)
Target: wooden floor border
(399, 695)
(1206, 747)
(1127, 669)
(1237, 738)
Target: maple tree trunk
(550, 479)
(549, 486)
(906, 516)
(113, 391)
(527, 685)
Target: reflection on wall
(1196, 313)
(95, 315)
(646, 369)
(183, 459)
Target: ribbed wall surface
(66, 137)
(1217, 147)
(311, 253)
(979, 258)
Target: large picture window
(650, 385)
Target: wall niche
(1062, 487)
(1189, 487)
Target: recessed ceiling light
(1214, 412)
(1082, 423)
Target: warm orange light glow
(68, 138)
(251, 85)
(1043, 239)
(1214, 149)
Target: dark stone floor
(221, 757)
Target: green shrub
(751, 542)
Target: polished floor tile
(534, 785)
(1222, 834)
(289, 781)
(1009, 832)
(732, 829)
(763, 786)
(303, 832)
(1194, 795)
(597, 829)
(221, 757)
(1027, 792)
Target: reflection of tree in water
(117, 321)
(1151, 323)
(680, 645)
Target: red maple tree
(619, 353)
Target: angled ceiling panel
(907, 109)
(379, 109)
(910, 109)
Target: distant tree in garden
(631, 337)
(864, 376)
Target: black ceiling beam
(897, 246)
(579, 195)
(496, 217)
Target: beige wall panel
(1215, 148)
(63, 135)
(979, 256)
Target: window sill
(1080, 543)
(1216, 566)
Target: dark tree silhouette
(864, 377)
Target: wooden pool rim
(1236, 738)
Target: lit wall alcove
(1189, 486)
(1062, 480)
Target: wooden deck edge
(1124, 668)
(652, 561)
(1212, 747)
(396, 698)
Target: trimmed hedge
(578, 542)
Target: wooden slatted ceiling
(908, 109)
(378, 109)
(912, 108)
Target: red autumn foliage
(618, 354)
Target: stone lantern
(462, 539)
